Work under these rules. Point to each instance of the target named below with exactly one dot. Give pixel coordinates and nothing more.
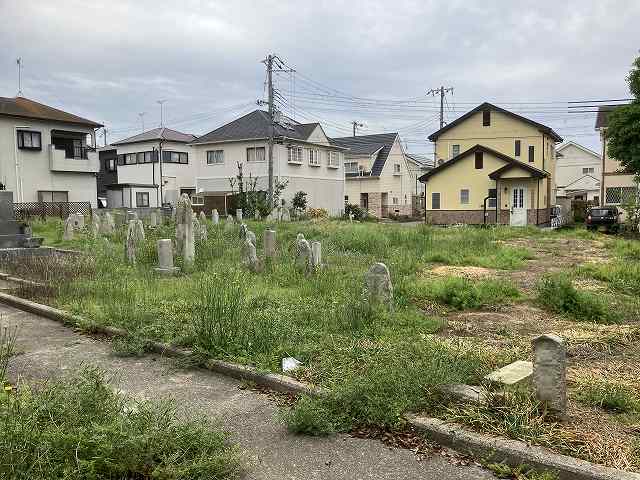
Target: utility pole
(141, 115)
(105, 130)
(356, 125)
(442, 91)
(269, 63)
(161, 102)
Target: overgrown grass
(609, 395)
(462, 293)
(557, 293)
(80, 428)
(7, 348)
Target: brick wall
(375, 204)
(475, 217)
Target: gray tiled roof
(255, 125)
(25, 108)
(369, 144)
(160, 133)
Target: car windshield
(601, 212)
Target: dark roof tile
(26, 108)
(155, 134)
(368, 145)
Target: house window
(346, 199)
(142, 199)
(28, 140)
(351, 167)
(52, 196)
(396, 168)
(255, 154)
(587, 170)
(435, 201)
(130, 159)
(395, 200)
(121, 159)
(516, 148)
(479, 160)
(333, 159)
(486, 118)
(197, 200)
(531, 153)
(215, 157)
(110, 165)
(140, 157)
(620, 195)
(175, 157)
(294, 155)
(149, 157)
(491, 203)
(464, 196)
(314, 157)
(455, 150)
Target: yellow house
(492, 166)
(617, 186)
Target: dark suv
(607, 217)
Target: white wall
(569, 170)
(33, 165)
(324, 186)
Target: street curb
(280, 383)
(513, 452)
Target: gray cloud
(111, 60)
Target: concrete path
(48, 349)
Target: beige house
(617, 186)
(492, 166)
(378, 176)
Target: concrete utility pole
(442, 91)
(269, 63)
(356, 125)
(105, 130)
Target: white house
(578, 172)
(47, 155)
(302, 156)
(379, 176)
(142, 181)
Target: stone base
(515, 374)
(476, 217)
(167, 271)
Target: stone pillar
(203, 217)
(316, 254)
(249, 257)
(108, 225)
(239, 215)
(303, 256)
(243, 231)
(95, 225)
(251, 236)
(165, 257)
(153, 219)
(68, 229)
(131, 241)
(215, 216)
(378, 285)
(270, 243)
(550, 373)
(184, 229)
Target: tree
(299, 201)
(623, 130)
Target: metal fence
(30, 210)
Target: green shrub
(80, 428)
(309, 417)
(462, 293)
(357, 211)
(557, 293)
(609, 396)
(621, 276)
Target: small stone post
(239, 215)
(378, 285)
(203, 217)
(303, 256)
(215, 216)
(251, 236)
(196, 228)
(68, 229)
(243, 231)
(131, 242)
(249, 257)
(270, 243)
(184, 229)
(107, 225)
(165, 258)
(316, 254)
(139, 231)
(550, 373)
(153, 219)
(95, 225)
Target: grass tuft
(462, 293)
(608, 395)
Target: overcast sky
(111, 60)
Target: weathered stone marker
(378, 285)
(215, 216)
(77, 220)
(303, 256)
(184, 229)
(249, 257)
(270, 243)
(165, 257)
(204, 233)
(515, 374)
(95, 225)
(243, 231)
(256, 215)
(107, 225)
(203, 216)
(316, 254)
(239, 215)
(131, 242)
(153, 219)
(196, 228)
(251, 236)
(285, 215)
(68, 229)
(550, 373)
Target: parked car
(606, 217)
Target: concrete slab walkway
(47, 349)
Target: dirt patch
(472, 273)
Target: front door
(518, 206)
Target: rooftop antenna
(356, 125)
(161, 102)
(141, 115)
(19, 65)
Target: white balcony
(58, 162)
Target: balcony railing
(86, 161)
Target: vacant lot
(467, 301)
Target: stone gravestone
(249, 257)
(196, 228)
(95, 225)
(165, 258)
(107, 226)
(303, 256)
(215, 216)
(378, 285)
(256, 215)
(184, 229)
(153, 219)
(239, 215)
(550, 373)
(203, 216)
(68, 228)
(131, 215)
(139, 230)
(243, 231)
(286, 216)
(316, 254)
(204, 233)
(77, 220)
(270, 243)
(251, 236)
(14, 234)
(131, 242)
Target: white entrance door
(518, 206)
